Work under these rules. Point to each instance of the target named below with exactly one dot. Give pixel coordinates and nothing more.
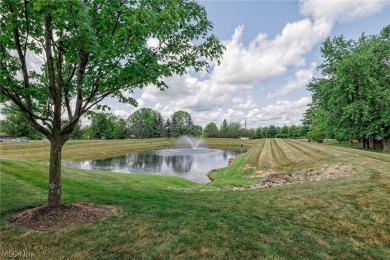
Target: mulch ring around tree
(61, 217)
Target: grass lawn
(345, 218)
(355, 145)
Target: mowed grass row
(295, 156)
(344, 218)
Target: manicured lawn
(343, 218)
(356, 146)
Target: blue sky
(272, 50)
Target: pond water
(186, 163)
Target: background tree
(15, 124)
(145, 123)
(224, 127)
(293, 132)
(86, 51)
(102, 125)
(210, 127)
(352, 100)
(182, 123)
(168, 128)
(234, 126)
(284, 130)
(158, 125)
(271, 131)
(120, 129)
(259, 133)
(197, 130)
(211, 130)
(174, 127)
(234, 130)
(87, 132)
(77, 132)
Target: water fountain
(193, 141)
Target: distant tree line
(352, 99)
(292, 132)
(226, 130)
(148, 123)
(143, 123)
(235, 130)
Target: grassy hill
(343, 218)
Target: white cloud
(140, 102)
(217, 116)
(2, 116)
(281, 113)
(265, 58)
(189, 93)
(245, 104)
(336, 10)
(301, 78)
(152, 43)
(178, 88)
(121, 113)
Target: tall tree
(271, 131)
(224, 127)
(174, 127)
(158, 125)
(352, 100)
(145, 123)
(210, 127)
(120, 129)
(68, 56)
(168, 128)
(197, 130)
(182, 121)
(102, 125)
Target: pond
(186, 163)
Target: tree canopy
(60, 59)
(146, 123)
(352, 99)
(181, 124)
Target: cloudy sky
(272, 50)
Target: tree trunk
(55, 190)
(386, 144)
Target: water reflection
(185, 163)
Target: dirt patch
(327, 172)
(273, 178)
(61, 217)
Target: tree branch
(27, 26)
(22, 57)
